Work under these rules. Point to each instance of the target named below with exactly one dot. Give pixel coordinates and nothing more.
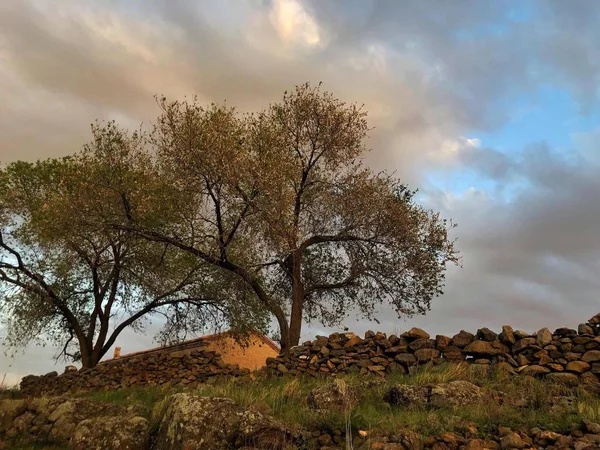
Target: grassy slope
(285, 398)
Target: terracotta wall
(250, 356)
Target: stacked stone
(160, 368)
(375, 353)
(567, 355)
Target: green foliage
(70, 277)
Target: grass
(37, 447)
(285, 399)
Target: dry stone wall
(159, 368)
(567, 355)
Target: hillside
(441, 406)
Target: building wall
(253, 356)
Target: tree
(281, 200)
(68, 278)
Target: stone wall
(569, 355)
(158, 368)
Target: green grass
(285, 399)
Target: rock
(71, 412)
(453, 353)
(485, 334)
(543, 337)
(392, 351)
(455, 394)
(534, 370)
(485, 348)
(427, 354)
(108, 433)
(591, 356)
(503, 366)
(337, 395)
(522, 360)
(569, 379)
(407, 395)
(353, 341)
(594, 320)
(444, 395)
(10, 409)
(507, 336)
(395, 368)
(421, 343)
(584, 328)
(481, 444)
(462, 339)
(523, 343)
(406, 358)
(520, 334)
(416, 333)
(591, 427)
(442, 342)
(512, 440)
(577, 366)
(212, 423)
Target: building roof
(197, 342)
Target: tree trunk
(85, 348)
(297, 299)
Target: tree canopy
(216, 216)
(282, 200)
(68, 277)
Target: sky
(490, 109)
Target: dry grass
(286, 399)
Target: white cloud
(294, 24)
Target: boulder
(507, 336)
(591, 356)
(584, 328)
(534, 370)
(485, 334)
(462, 339)
(108, 433)
(523, 343)
(485, 348)
(594, 320)
(406, 358)
(442, 342)
(416, 333)
(513, 441)
(337, 395)
(577, 367)
(421, 343)
(455, 394)
(453, 353)
(427, 354)
(444, 395)
(407, 395)
(213, 423)
(543, 337)
(353, 341)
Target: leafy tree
(68, 278)
(281, 200)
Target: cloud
(432, 74)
